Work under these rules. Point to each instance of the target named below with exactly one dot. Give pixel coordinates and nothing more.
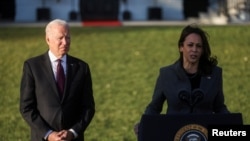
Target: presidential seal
(191, 132)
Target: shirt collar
(53, 57)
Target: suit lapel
(47, 70)
(72, 68)
(206, 83)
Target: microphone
(191, 99)
(184, 96)
(197, 95)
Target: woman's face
(192, 49)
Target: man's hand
(63, 135)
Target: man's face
(58, 40)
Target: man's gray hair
(55, 22)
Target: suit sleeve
(156, 104)
(28, 102)
(219, 105)
(88, 103)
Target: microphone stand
(192, 100)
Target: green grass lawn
(125, 63)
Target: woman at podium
(193, 83)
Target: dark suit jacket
(173, 81)
(40, 104)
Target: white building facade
(171, 10)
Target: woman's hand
(136, 129)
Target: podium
(183, 127)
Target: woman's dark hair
(206, 62)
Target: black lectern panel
(7, 10)
(94, 10)
(167, 127)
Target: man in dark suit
(57, 113)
